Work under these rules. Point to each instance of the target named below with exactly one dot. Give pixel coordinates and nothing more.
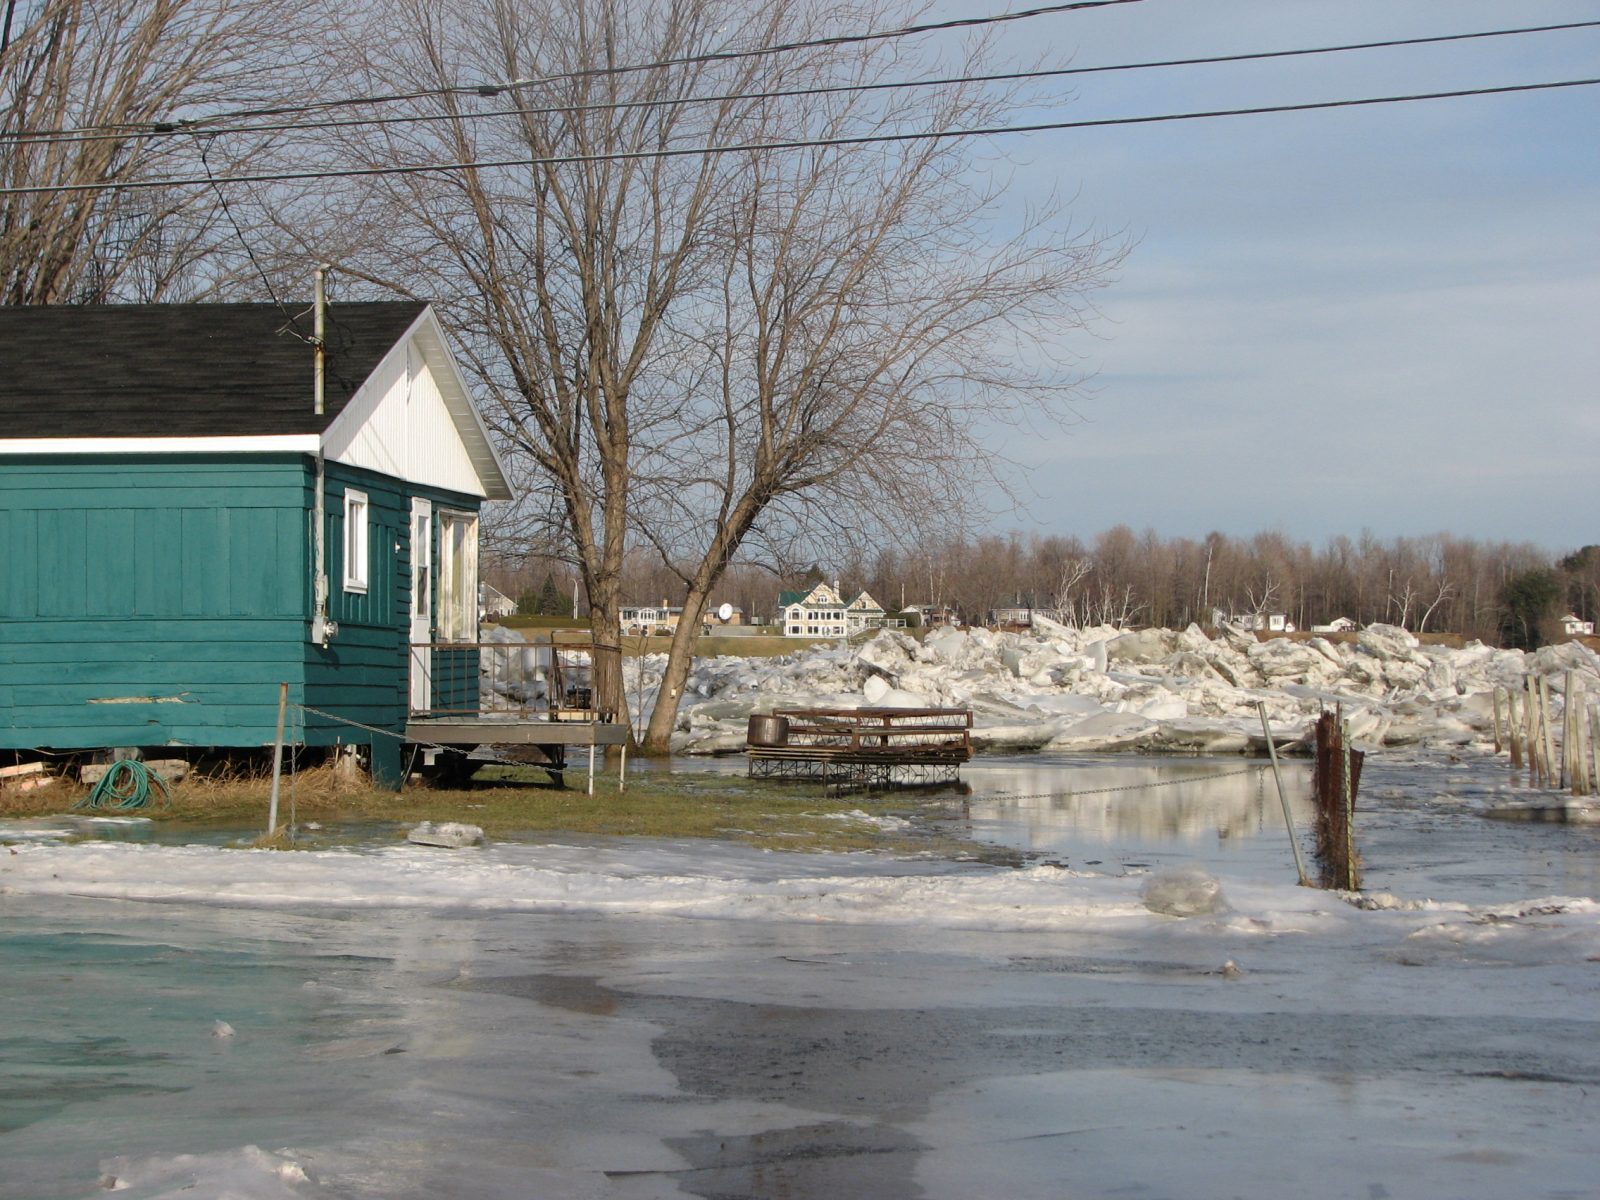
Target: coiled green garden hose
(127, 784)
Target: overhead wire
(710, 56)
(212, 124)
(227, 211)
(793, 144)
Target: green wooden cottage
(164, 480)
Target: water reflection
(1420, 829)
(1138, 810)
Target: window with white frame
(458, 577)
(421, 562)
(356, 513)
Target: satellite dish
(725, 613)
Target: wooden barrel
(767, 731)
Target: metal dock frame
(861, 746)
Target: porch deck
(514, 729)
(539, 694)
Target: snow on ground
(1157, 690)
(726, 882)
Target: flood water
(1420, 829)
(1420, 825)
(407, 1053)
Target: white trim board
(292, 443)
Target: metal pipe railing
(546, 681)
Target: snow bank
(633, 879)
(725, 882)
(1155, 690)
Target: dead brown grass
(517, 802)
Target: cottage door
(421, 605)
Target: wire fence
(1068, 793)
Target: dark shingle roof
(183, 370)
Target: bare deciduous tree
(83, 84)
(720, 353)
(1073, 572)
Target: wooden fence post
(1547, 734)
(277, 758)
(1594, 747)
(1514, 720)
(1531, 716)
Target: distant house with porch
(1337, 625)
(493, 603)
(932, 616)
(817, 613)
(1575, 626)
(663, 619)
(649, 620)
(865, 613)
(1020, 616)
(181, 532)
(1259, 622)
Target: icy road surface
(658, 1019)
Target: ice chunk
(452, 835)
(899, 698)
(1183, 892)
(1104, 731)
(1164, 708)
(1143, 646)
(1388, 642)
(246, 1173)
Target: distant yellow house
(663, 618)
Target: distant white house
(819, 613)
(651, 620)
(493, 603)
(1337, 625)
(1014, 615)
(932, 615)
(864, 613)
(1258, 622)
(1575, 626)
(648, 619)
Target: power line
(206, 123)
(227, 210)
(795, 144)
(711, 56)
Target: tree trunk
(605, 631)
(609, 694)
(680, 660)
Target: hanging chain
(1260, 773)
(400, 737)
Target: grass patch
(520, 621)
(513, 802)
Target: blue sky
(1383, 318)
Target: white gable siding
(398, 424)
(438, 455)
